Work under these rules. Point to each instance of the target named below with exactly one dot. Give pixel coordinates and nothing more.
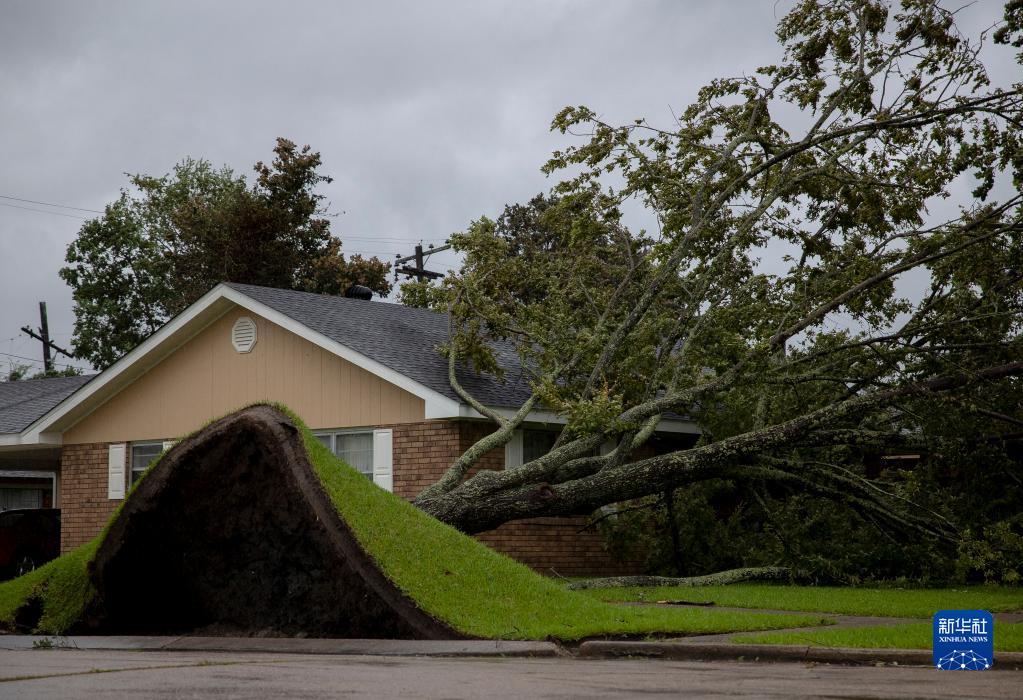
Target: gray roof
(400, 337)
(21, 403)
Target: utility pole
(419, 271)
(44, 336)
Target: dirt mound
(231, 532)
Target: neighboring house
(28, 474)
(365, 376)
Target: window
(527, 445)
(536, 443)
(16, 499)
(142, 455)
(370, 452)
(355, 448)
(26, 489)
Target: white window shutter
(513, 451)
(167, 444)
(115, 471)
(383, 459)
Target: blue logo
(964, 640)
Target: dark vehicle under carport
(28, 538)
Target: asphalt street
(92, 674)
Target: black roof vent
(357, 291)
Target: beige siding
(206, 378)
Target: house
(365, 376)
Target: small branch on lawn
(754, 573)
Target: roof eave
(666, 425)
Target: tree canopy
(834, 265)
(166, 241)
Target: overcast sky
(427, 114)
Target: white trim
(26, 474)
(666, 425)
(21, 440)
(383, 459)
(513, 451)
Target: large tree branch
(474, 508)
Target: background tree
(161, 246)
(800, 295)
(19, 372)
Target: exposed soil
(232, 533)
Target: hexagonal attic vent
(243, 335)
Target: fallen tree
(800, 295)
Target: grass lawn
(917, 635)
(450, 575)
(486, 594)
(61, 587)
(883, 602)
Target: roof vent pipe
(357, 291)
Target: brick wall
(85, 508)
(557, 546)
(422, 451)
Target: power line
(49, 204)
(341, 236)
(376, 253)
(391, 239)
(40, 362)
(44, 211)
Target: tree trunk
(676, 544)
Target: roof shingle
(21, 403)
(402, 338)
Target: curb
(290, 645)
(1006, 660)
(368, 647)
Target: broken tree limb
(753, 573)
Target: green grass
(480, 592)
(916, 635)
(61, 587)
(450, 575)
(882, 602)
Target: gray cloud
(427, 114)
